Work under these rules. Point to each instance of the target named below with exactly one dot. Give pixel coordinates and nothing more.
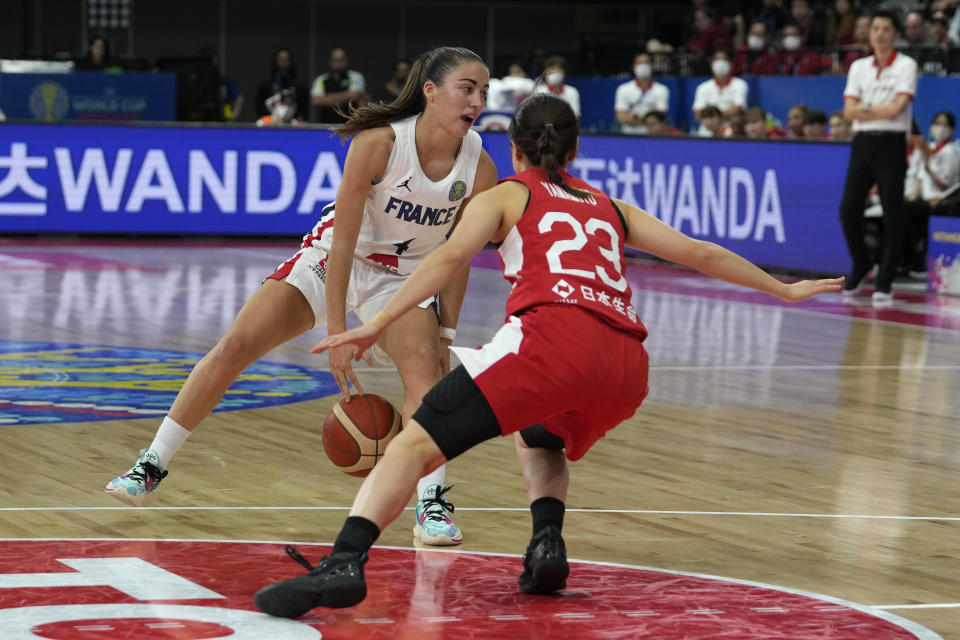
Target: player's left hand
(808, 288)
(362, 337)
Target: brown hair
(432, 65)
(545, 128)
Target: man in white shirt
(878, 100)
(554, 74)
(506, 93)
(724, 91)
(638, 97)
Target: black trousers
(876, 157)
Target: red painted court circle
(113, 589)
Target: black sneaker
(855, 281)
(336, 582)
(545, 567)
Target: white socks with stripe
(170, 436)
(436, 477)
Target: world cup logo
(49, 102)
(458, 190)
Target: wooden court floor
(811, 447)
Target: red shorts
(563, 367)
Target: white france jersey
(406, 215)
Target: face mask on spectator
(643, 71)
(939, 132)
(791, 43)
(720, 68)
(756, 43)
(555, 79)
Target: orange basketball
(356, 433)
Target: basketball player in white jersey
(411, 167)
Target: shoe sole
(550, 576)
(134, 501)
(288, 599)
(441, 540)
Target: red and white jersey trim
(506, 341)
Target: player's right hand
(341, 369)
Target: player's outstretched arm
(481, 221)
(647, 233)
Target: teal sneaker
(434, 526)
(137, 485)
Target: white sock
(431, 478)
(170, 436)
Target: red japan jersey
(568, 250)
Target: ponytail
(546, 129)
(432, 65)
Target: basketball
(356, 433)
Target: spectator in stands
(940, 30)
(507, 92)
(230, 95)
(334, 91)
(914, 31)
(283, 75)
(757, 57)
(398, 79)
(796, 59)
(709, 35)
(636, 98)
(795, 117)
(840, 127)
(939, 173)
(841, 23)
(724, 91)
(815, 124)
(554, 75)
(773, 15)
(97, 57)
(656, 124)
(861, 42)
(283, 109)
(755, 123)
(711, 122)
(735, 126)
(811, 29)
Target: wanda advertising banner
(776, 203)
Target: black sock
(547, 511)
(358, 535)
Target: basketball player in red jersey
(411, 167)
(570, 358)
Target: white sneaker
(434, 525)
(882, 299)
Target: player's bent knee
(234, 351)
(456, 415)
(537, 437)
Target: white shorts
(368, 292)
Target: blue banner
(51, 97)
(776, 203)
(168, 180)
(943, 255)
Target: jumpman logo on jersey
(405, 184)
(403, 246)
